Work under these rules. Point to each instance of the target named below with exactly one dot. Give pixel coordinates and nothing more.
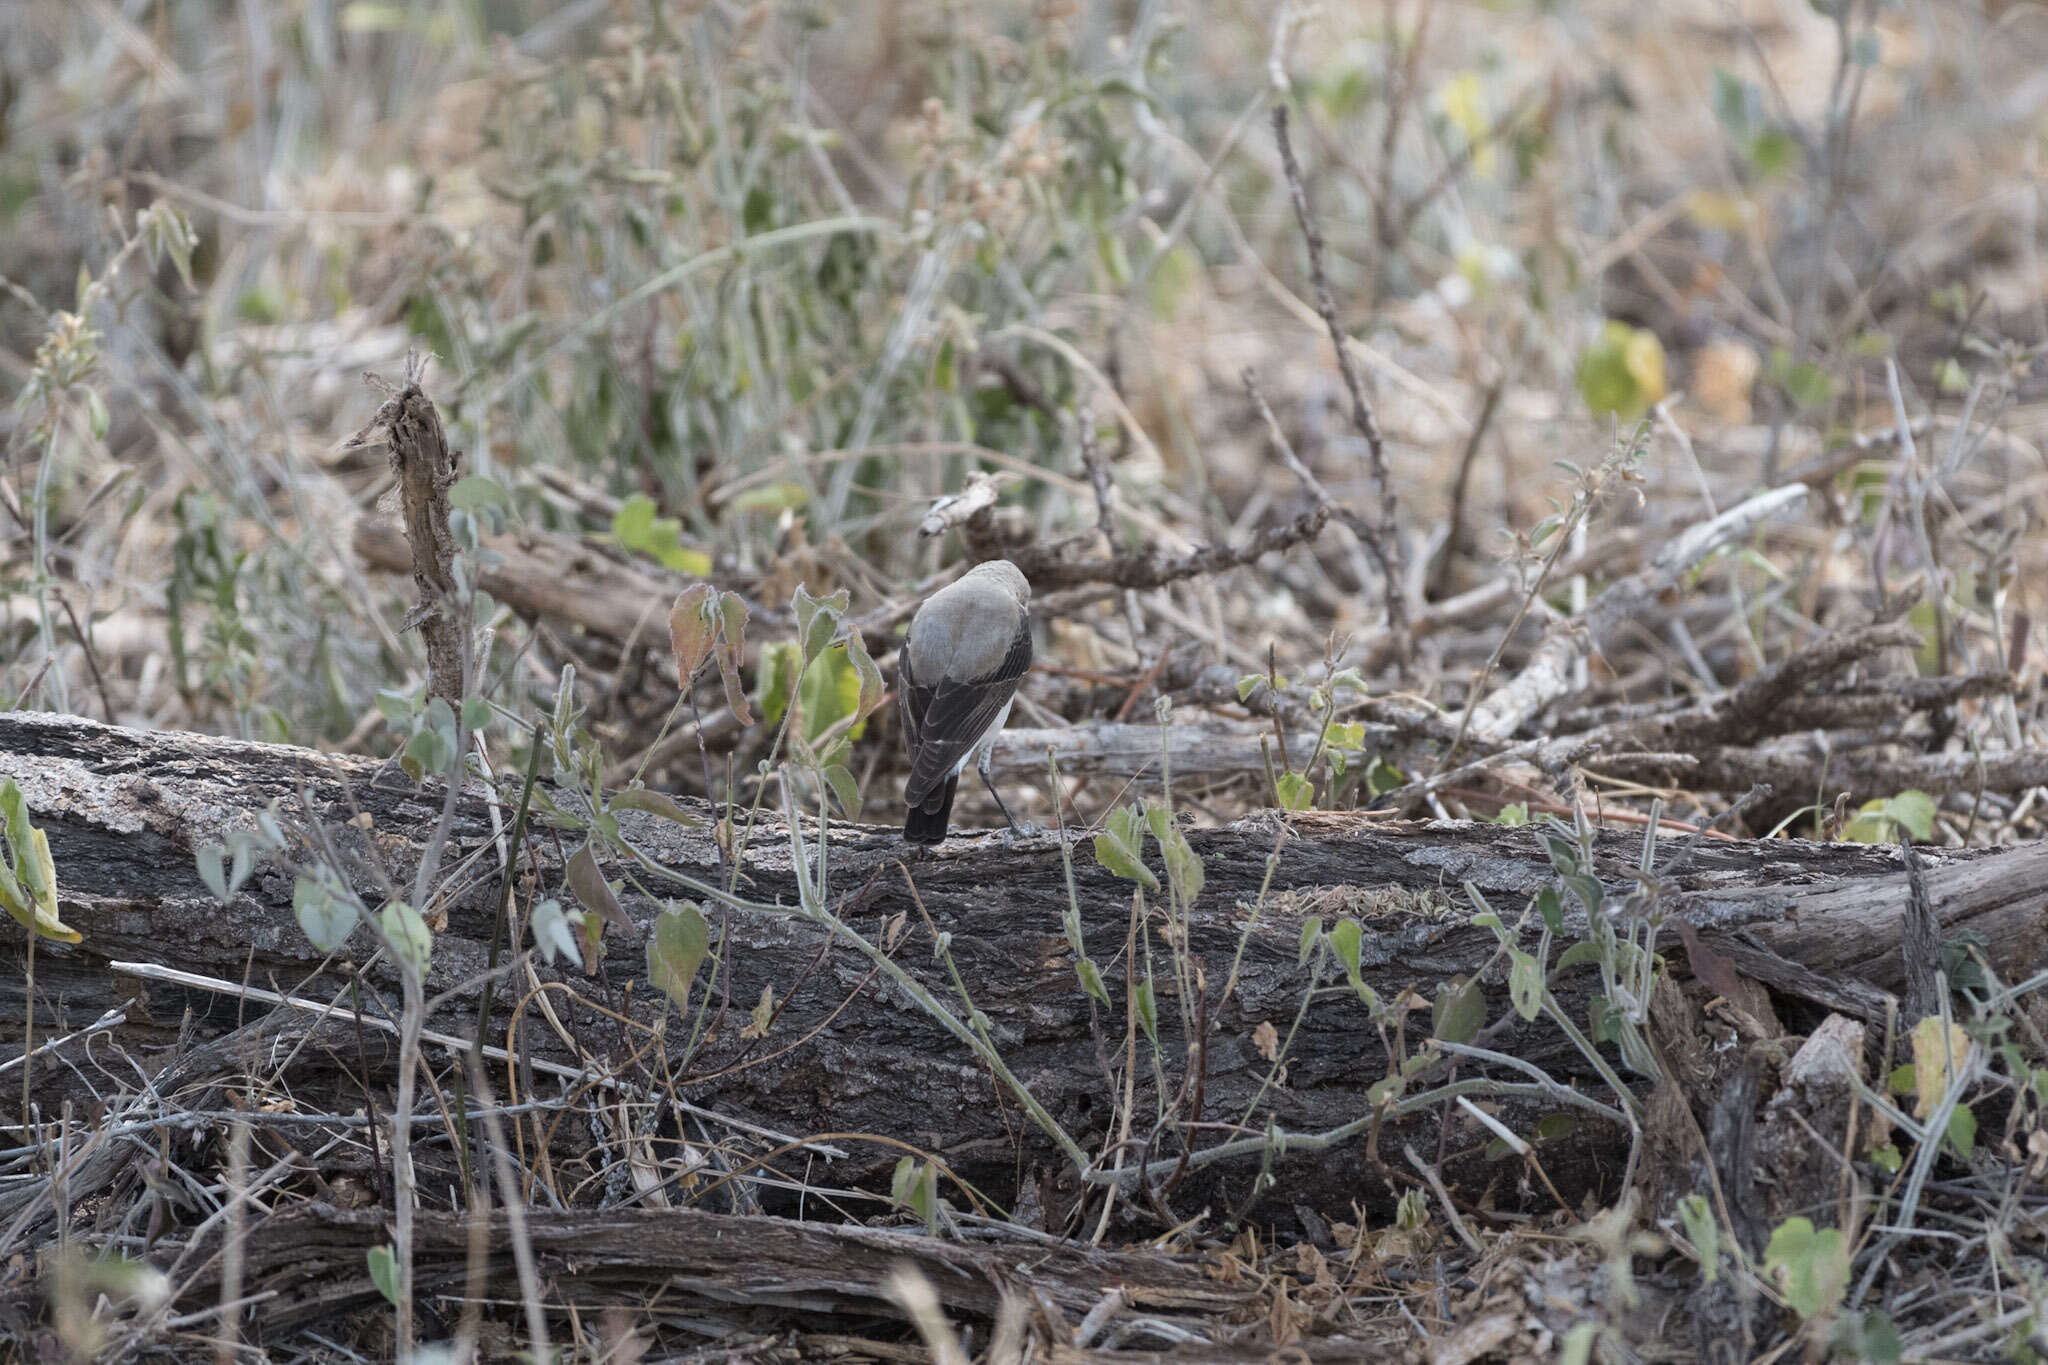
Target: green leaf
(1914, 810)
(817, 618)
(476, 714)
(731, 649)
(475, 492)
(553, 934)
(1551, 908)
(1703, 1230)
(652, 803)
(1148, 1011)
(383, 1260)
(1579, 954)
(1812, 1266)
(1248, 684)
(845, 789)
(1808, 385)
(831, 690)
(397, 707)
(1622, 373)
(1875, 1339)
(1116, 857)
(1525, 984)
(1346, 939)
(1604, 1019)
(1183, 865)
(212, 870)
(1460, 1011)
(1295, 791)
(1590, 892)
(589, 886)
(1962, 1132)
(1127, 826)
(915, 1186)
(637, 528)
(1347, 734)
(676, 950)
(1382, 777)
(772, 497)
(775, 670)
(1311, 934)
(1091, 979)
(327, 919)
(410, 937)
(872, 688)
(428, 751)
(1771, 152)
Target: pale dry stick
(1628, 599)
(1384, 540)
(151, 971)
(913, 1293)
(277, 219)
(1664, 417)
(1500, 645)
(232, 1248)
(146, 1329)
(515, 1216)
(1098, 1318)
(1284, 448)
(1052, 478)
(1128, 1108)
(112, 1019)
(1443, 1196)
(1917, 489)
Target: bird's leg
(982, 766)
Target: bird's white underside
(987, 741)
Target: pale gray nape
(965, 629)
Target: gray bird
(969, 646)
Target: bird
(969, 646)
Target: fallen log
(311, 1258)
(844, 1049)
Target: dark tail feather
(926, 824)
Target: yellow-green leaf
(1937, 1058)
(680, 942)
(1623, 372)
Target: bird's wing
(945, 721)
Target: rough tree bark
(850, 1053)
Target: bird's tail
(925, 823)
